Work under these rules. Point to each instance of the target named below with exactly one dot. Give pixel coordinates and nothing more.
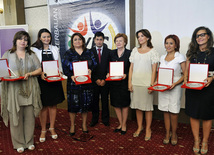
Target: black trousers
(104, 92)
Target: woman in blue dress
(79, 96)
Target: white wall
(2, 21)
(36, 14)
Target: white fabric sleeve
(154, 56)
(182, 58)
(131, 58)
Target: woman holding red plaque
(51, 92)
(79, 97)
(119, 94)
(20, 100)
(142, 72)
(200, 103)
(169, 101)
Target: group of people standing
(21, 103)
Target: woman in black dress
(51, 92)
(119, 94)
(200, 103)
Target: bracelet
(30, 74)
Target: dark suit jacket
(101, 69)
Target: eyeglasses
(201, 35)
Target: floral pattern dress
(80, 97)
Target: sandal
(42, 139)
(174, 142)
(148, 138)
(53, 136)
(31, 147)
(196, 150)
(166, 141)
(204, 151)
(137, 134)
(20, 150)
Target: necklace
(203, 62)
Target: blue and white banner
(87, 17)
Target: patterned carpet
(104, 140)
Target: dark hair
(176, 40)
(194, 47)
(147, 34)
(38, 44)
(99, 34)
(81, 37)
(121, 35)
(18, 36)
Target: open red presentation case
(51, 69)
(197, 74)
(5, 72)
(164, 79)
(80, 70)
(116, 71)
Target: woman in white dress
(169, 101)
(142, 74)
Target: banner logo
(89, 23)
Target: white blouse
(54, 50)
(174, 64)
(142, 66)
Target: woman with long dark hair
(200, 103)
(51, 92)
(142, 73)
(20, 100)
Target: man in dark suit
(101, 53)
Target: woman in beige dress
(142, 74)
(20, 100)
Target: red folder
(197, 74)
(164, 79)
(114, 75)
(80, 70)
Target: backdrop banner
(87, 17)
(6, 36)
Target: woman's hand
(209, 80)
(130, 87)
(60, 74)
(124, 76)
(43, 75)
(150, 91)
(172, 86)
(102, 83)
(27, 75)
(73, 78)
(107, 75)
(89, 73)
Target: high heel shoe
(42, 139)
(137, 134)
(20, 150)
(71, 133)
(117, 130)
(53, 136)
(148, 138)
(31, 147)
(166, 141)
(204, 151)
(85, 131)
(196, 150)
(174, 142)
